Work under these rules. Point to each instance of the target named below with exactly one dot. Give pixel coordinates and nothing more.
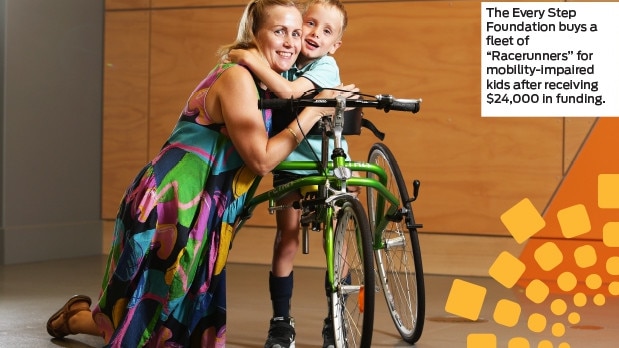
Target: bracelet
(294, 135)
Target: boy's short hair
(336, 3)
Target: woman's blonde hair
(251, 21)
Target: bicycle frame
(278, 192)
(382, 102)
(319, 207)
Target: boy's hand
(250, 57)
(348, 91)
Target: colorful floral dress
(165, 280)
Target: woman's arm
(234, 100)
(274, 81)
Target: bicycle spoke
(398, 260)
(352, 305)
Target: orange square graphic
(465, 299)
(608, 191)
(523, 220)
(507, 269)
(574, 221)
(481, 341)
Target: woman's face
(279, 37)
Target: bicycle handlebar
(381, 102)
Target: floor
(29, 293)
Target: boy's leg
(281, 281)
(285, 248)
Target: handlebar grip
(411, 105)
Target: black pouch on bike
(352, 123)
(281, 119)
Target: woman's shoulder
(231, 74)
(236, 80)
(230, 69)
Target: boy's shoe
(328, 336)
(281, 333)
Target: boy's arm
(323, 72)
(274, 81)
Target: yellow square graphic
(585, 256)
(465, 299)
(507, 313)
(537, 322)
(481, 341)
(548, 256)
(507, 269)
(608, 190)
(574, 221)
(610, 234)
(518, 342)
(612, 265)
(537, 291)
(523, 220)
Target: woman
(165, 278)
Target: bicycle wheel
(398, 259)
(352, 306)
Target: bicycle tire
(352, 306)
(398, 260)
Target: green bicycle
(385, 230)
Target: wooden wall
(472, 169)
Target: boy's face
(322, 31)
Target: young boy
(324, 22)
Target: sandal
(66, 312)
